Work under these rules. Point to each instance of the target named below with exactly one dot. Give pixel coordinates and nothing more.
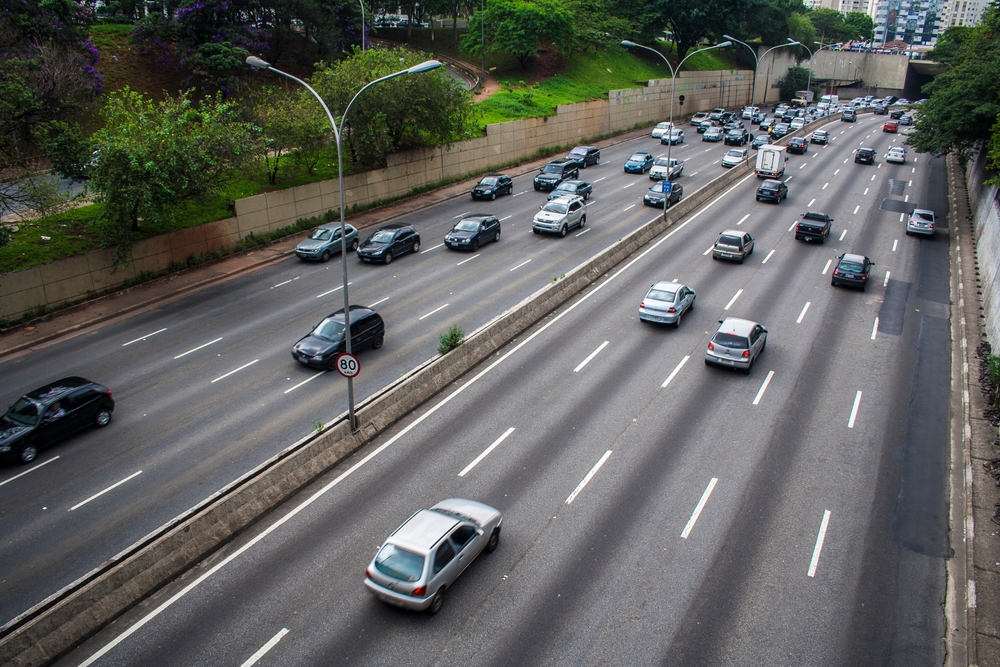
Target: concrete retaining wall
(984, 201)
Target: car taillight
(419, 591)
(671, 310)
(798, 226)
(864, 276)
(746, 353)
(368, 573)
(836, 272)
(642, 304)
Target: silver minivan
(423, 557)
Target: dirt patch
(545, 66)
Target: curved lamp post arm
(254, 61)
(809, 80)
(756, 64)
(791, 42)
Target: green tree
(153, 156)
(291, 125)
(950, 44)
(596, 25)
(860, 25)
(518, 27)
(802, 30)
(688, 21)
(797, 78)
(829, 24)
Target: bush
(452, 339)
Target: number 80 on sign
(348, 365)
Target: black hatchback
(51, 413)
(492, 185)
(864, 156)
(388, 242)
(472, 231)
(326, 341)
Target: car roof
(476, 216)
(566, 198)
(736, 326)
(666, 286)
(359, 311)
(864, 149)
(391, 227)
(640, 153)
(923, 210)
(583, 148)
(423, 530)
(772, 181)
(57, 388)
(335, 226)
(561, 161)
(731, 232)
(850, 257)
(493, 175)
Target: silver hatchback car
(736, 344)
(921, 222)
(666, 302)
(425, 555)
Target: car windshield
(865, 151)
(662, 186)
(662, 162)
(729, 240)
(555, 207)
(662, 295)
(768, 186)
(399, 563)
(382, 236)
(731, 341)
(735, 154)
(489, 180)
(321, 234)
(638, 157)
(23, 412)
(552, 169)
(566, 187)
(329, 329)
(850, 266)
(467, 226)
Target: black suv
(389, 242)
(51, 413)
(584, 156)
(321, 347)
(864, 156)
(492, 185)
(556, 172)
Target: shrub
(452, 339)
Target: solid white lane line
(506, 218)
(803, 313)
(320, 296)
(628, 207)
(677, 369)
(520, 265)
(827, 267)
(856, 209)
(22, 474)
(468, 260)
(854, 410)
(763, 387)
(768, 256)
(378, 302)
(584, 231)
(433, 311)
(875, 329)
(252, 660)
(101, 493)
(710, 249)
(424, 252)
(843, 234)
(733, 300)
(198, 348)
(309, 379)
(743, 219)
(583, 483)
(486, 452)
(814, 563)
(886, 281)
(811, 201)
(629, 185)
(144, 337)
(590, 356)
(222, 377)
(698, 508)
(824, 186)
(865, 192)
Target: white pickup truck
(664, 169)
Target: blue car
(639, 163)
(325, 241)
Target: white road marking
(895, 242)
(763, 388)
(433, 311)
(677, 369)
(793, 226)
(590, 356)
(584, 231)
(873, 177)
(707, 150)
(628, 207)
(803, 313)
(886, 281)
(733, 300)
(836, 172)
(743, 218)
(698, 508)
(468, 260)
(910, 184)
(824, 186)
(811, 202)
(802, 165)
(694, 173)
(101, 493)
(518, 194)
(827, 267)
(252, 660)
(22, 474)
(308, 379)
(819, 543)
(865, 192)
(222, 377)
(520, 265)
(144, 337)
(875, 329)
(843, 234)
(901, 216)
(675, 280)
(506, 218)
(710, 249)
(486, 452)
(766, 258)
(629, 185)
(184, 354)
(461, 215)
(583, 483)
(906, 198)
(856, 209)
(320, 296)
(854, 410)
(789, 178)
(284, 283)
(600, 179)
(846, 159)
(378, 302)
(424, 252)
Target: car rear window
(928, 217)
(661, 295)
(854, 267)
(731, 341)
(399, 563)
(729, 240)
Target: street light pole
(791, 42)
(827, 46)
(810, 78)
(756, 64)
(425, 66)
(482, 37)
(362, 24)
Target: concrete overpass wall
(877, 70)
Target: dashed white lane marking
(843, 234)
(854, 410)
(879, 166)
(886, 281)
(237, 370)
(827, 267)
(339, 287)
(22, 474)
(845, 160)
(629, 185)
(520, 265)
(460, 215)
(906, 198)
(873, 177)
(433, 311)
(308, 379)
(211, 342)
(590, 356)
(767, 258)
(836, 172)
(811, 201)
(820, 538)
(865, 192)
(733, 300)
(677, 369)
(789, 178)
(698, 508)
(378, 302)
(584, 231)
(600, 179)
(805, 308)
(763, 388)
(252, 660)
(144, 337)
(518, 194)
(793, 226)
(468, 260)
(716, 162)
(895, 242)
(506, 218)
(802, 165)
(856, 209)
(824, 186)
(743, 219)
(486, 452)
(628, 207)
(285, 282)
(710, 249)
(901, 216)
(910, 184)
(875, 329)
(422, 252)
(583, 483)
(101, 493)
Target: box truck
(770, 161)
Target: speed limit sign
(348, 365)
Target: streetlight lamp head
(793, 42)
(425, 66)
(254, 61)
(729, 37)
(723, 45)
(628, 44)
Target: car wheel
(102, 418)
(354, 245)
(416, 247)
(583, 221)
(325, 257)
(475, 245)
(537, 188)
(749, 367)
(833, 282)
(377, 341)
(493, 196)
(436, 603)
(535, 230)
(27, 454)
(751, 250)
(562, 232)
(586, 196)
(491, 546)
(496, 237)
(758, 198)
(387, 259)
(677, 324)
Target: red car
(890, 126)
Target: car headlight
(4, 448)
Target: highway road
(206, 388)
(656, 511)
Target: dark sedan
(852, 270)
(772, 190)
(472, 231)
(325, 241)
(798, 145)
(639, 163)
(737, 137)
(761, 140)
(50, 413)
(579, 188)
(389, 242)
(321, 347)
(584, 156)
(779, 130)
(663, 194)
(493, 185)
(849, 116)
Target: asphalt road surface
(656, 511)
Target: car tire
(535, 230)
(586, 196)
(475, 246)
(493, 197)
(833, 282)
(354, 245)
(583, 221)
(377, 341)
(493, 542)
(562, 231)
(496, 237)
(102, 418)
(387, 259)
(325, 257)
(677, 324)
(537, 188)
(27, 453)
(416, 247)
(749, 367)
(436, 603)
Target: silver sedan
(666, 303)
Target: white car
(797, 124)
(921, 222)
(734, 157)
(660, 130)
(896, 154)
(748, 112)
